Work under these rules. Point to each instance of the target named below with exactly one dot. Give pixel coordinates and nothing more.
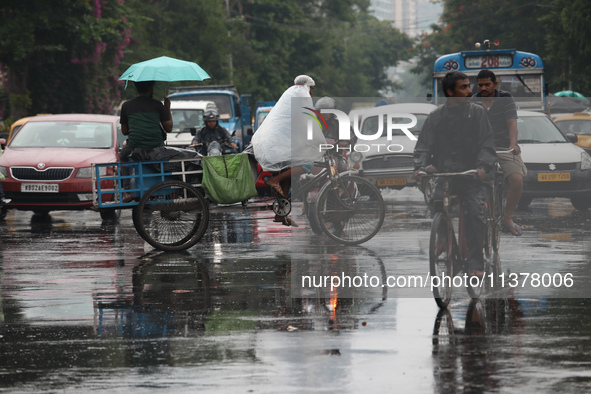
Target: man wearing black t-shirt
(144, 120)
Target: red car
(47, 163)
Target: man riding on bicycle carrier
(458, 137)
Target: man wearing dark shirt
(144, 120)
(502, 114)
(458, 137)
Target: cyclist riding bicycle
(458, 137)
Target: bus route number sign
(489, 61)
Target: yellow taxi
(16, 126)
(579, 124)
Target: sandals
(516, 230)
(286, 221)
(275, 186)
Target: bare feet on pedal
(275, 186)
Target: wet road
(86, 305)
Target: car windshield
(64, 134)
(575, 126)
(262, 117)
(222, 102)
(538, 130)
(371, 125)
(185, 119)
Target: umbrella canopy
(565, 104)
(164, 69)
(570, 93)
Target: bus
(520, 73)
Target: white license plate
(40, 188)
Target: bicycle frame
(329, 173)
(448, 254)
(458, 248)
(348, 209)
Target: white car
(389, 163)
(555, 166)
(187, 119)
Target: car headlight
(356, 157)
(585, 161)
(86, 172)
(4, 171)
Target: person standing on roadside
(458, 137)
(502, 114)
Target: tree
(346, 50)
(191, 30)
(62, 55)
(557, 30)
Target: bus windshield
(519, 73)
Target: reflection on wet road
(86, 305)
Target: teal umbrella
(570, 93)
(164, 69)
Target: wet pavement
(88, 306)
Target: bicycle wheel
(490, 225)
(441, 259)
(351, 211)
(443, 331)
(281, 206)
(313, 218)
(171, 216)
(499, 208)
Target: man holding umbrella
(144, 120)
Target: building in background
(409, 16)
(412, 17)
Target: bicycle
(448, 254)
(349, 209)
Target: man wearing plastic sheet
(282, 142)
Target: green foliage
(338, 43)
(191, 30)
(22, 100)
(69, 53)
(65, 52)
(557, 30)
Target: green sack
(228, 179)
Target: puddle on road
(84, 308)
